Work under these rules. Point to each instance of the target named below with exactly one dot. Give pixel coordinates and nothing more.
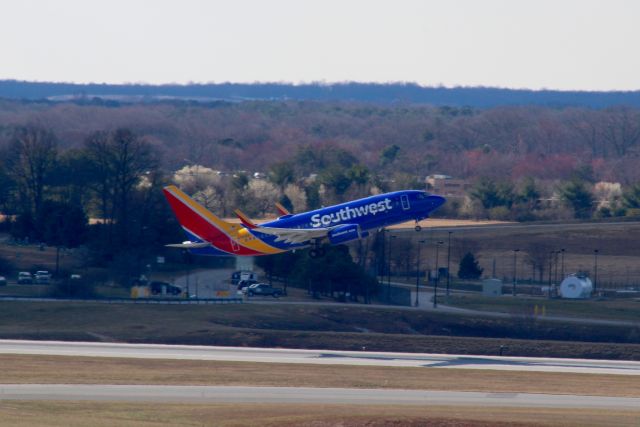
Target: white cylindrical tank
(576, 287)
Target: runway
(226, 394)
(324, 357)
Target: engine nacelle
(346, 233)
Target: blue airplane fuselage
(368, 213)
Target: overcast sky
(559, 44)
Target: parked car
(169, 289)
(42, 277)
(3, 281)
(246, 283)
(25, 278)
(263, 289)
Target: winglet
(246, 221)
(283, 211)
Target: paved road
(226, 394)
(428, 225)
(205, 283)
(324, 357)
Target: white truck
(243, 276)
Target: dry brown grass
(618, 246)
(63, 414)
(25, 257)
(306, 326)
(85, 370)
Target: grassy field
(48, 290)
(32, 369)
(344, 327)
(31, 257)
(612, 309)
(72, 414)
(618, 246)
(26, 290)
(81, 370)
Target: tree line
(512, 142)
(481, 97)
(49, 195)
(90, 173)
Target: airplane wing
(294, 235)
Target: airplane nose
(437, 201)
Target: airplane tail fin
(246, 221)
(194, 218)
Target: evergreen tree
(576, 195)
(335, 273)
(631, 197)
(389, 155)
(469, 268)
(281, 174)
(529, 194)
(312, 191)
(493, 194)
(286, 202)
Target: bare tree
(263, 195)
(32, 156)
(588, 125)
(120, 159)
(297, 196)
(622, 129)
(538, 255)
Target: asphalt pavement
(236, 394)
(319, 357)
(206, 283)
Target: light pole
(595, 269)
(562, 265)
(448, 262)
(381, 259)
(420, 242)
(550, 270)
(515, 271)
(188, 259)
(555, 274)
(389, 269)
(435, 284)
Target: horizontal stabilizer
(283, 211)
(246, 221)
(189, 245)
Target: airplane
(211, 235)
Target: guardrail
(194, 301)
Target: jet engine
(346, 233)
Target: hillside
(477, 97)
